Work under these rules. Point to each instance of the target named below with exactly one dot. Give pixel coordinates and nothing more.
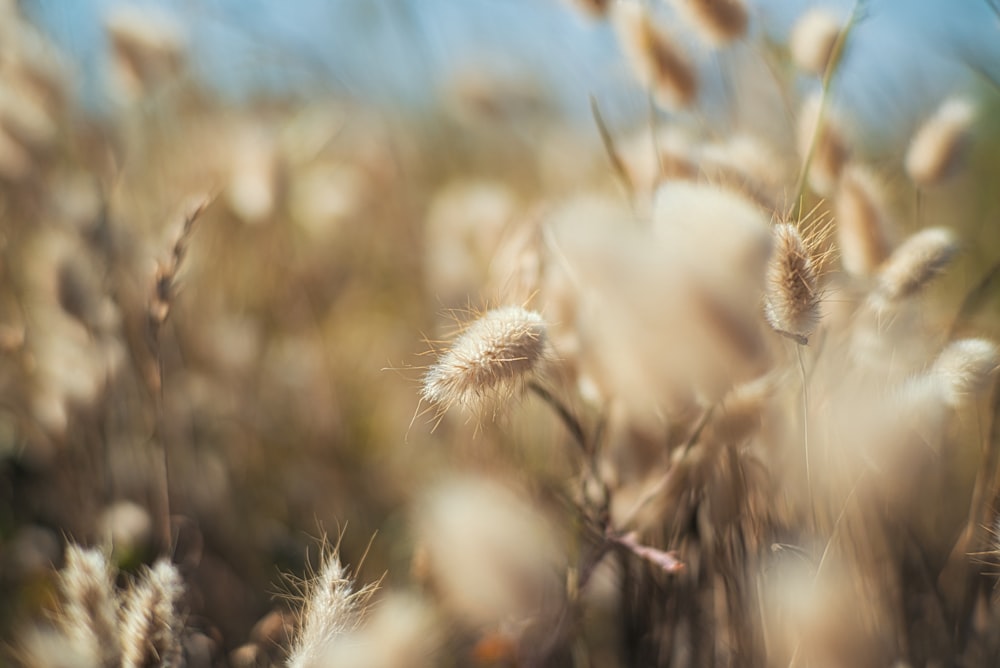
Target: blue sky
(905, 55)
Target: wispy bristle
(966, 367)
(813, 40)
(658, 62)
(490, 360)
(913, 265)
(792, 295)
(718, 22)
(151, 626)
(861, 225)
(937, 149)
(89, 617)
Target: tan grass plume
(151, 624)
(938, 148)
(792, 294)
(331, 607)
(490, 360)
(860, 216)
(813, 40)
(913, 265)
(965, 368)
(657, 60)
(718, 22)
(89, 615)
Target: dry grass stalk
(913, 265)
(822, 145)
(165, 279)
(718, 22)
(938, 148)
(89, 615)
(492, 359)
(792, 293)
(861, 223)
(813, 40)
(151, 626)
(657, 60)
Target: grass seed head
(656, 59)
(718, 22)
(913, 265)
(89, 616)
(814, 37)
(792, 296)
(965, 368)
(861, 223)
(151, 625)
(490, 361)
(331, 608)
(938, 148)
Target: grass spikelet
(151, 625)
(593, 8)
(966, 367)
(913, 265)
(490, 361)
(331, 607)
(148, 47)
(718, 22)
(813, 40)
(89, 616)
(792, 297)
(938, 148)
(861, 223)
(657, 60)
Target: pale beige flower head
(717, 22)
(490, 361)
(792, 296)
(965, 369)
(913, 265)
(814, 39)
(938, 148)
(657, 60)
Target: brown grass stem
(609, 148)
(831, 69)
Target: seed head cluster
(490, 360)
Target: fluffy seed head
(151, 626)
(595, 8)
(658, 62)
(913, 265)
(718, 22)
(861, 222)
(813, 40)
(331, 608)
(937, 149)
(89, 617)
(791, 302)
(965, 368)
(490, 360)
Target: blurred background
(357, 163)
